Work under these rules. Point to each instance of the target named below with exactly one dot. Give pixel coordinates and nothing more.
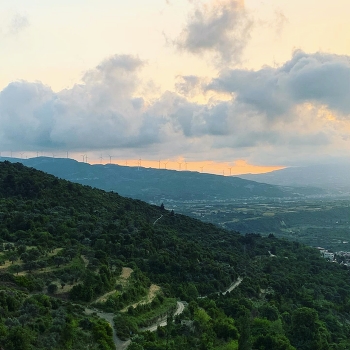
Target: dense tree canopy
(63, 245)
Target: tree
(135, 346)
(272, 342)
(59, 260)
(308, 332)
(52, 288)
(225, 328)
(19, 338)
(244, 330)
(13, 257)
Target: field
(324, 223)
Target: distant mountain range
(331, 177)
(156, 185)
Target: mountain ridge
(331, 177)
(156, 185)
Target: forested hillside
(153, 185)
(64, 245)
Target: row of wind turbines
(182, 166)
(160, 163)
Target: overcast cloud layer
(300, 110)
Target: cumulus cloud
(221, 28)
(317, 78)
(276, 115)
(101, 112)
(189, 85)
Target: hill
(157, 185)
(332, 177)
(54, 234)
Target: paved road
(233, 285)
(163, 321)
(157, 219)
(119, 344)
(122, 345)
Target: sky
(220, 86)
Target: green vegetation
(63, 247)
(136, 288)
(36, 321)
(156, 184)
(142, 316)
(320, 222)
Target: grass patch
(270, 214)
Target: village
(341, 257)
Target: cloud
(319, 78)
(221, 28)
(189, 85)
(101, 112)
(297, 111)
(17, 24)
(280, 21)
(275, 115)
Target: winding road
(162, 322)
(122, 345)
(119, 344)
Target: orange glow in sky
(210, 167)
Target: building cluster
(342, 257)
(326, 254)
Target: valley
(315, 222)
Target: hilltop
(333, 177)
(65, 246)
(157, 185)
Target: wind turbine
(83, 155)
(67, 155)
(21, 155)
(101, 159)
(230, 171)
(110, 159)
(202, 168)
(86, 159)
(186, 166)
(179, 165)
(165, 165)
(159, 164)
